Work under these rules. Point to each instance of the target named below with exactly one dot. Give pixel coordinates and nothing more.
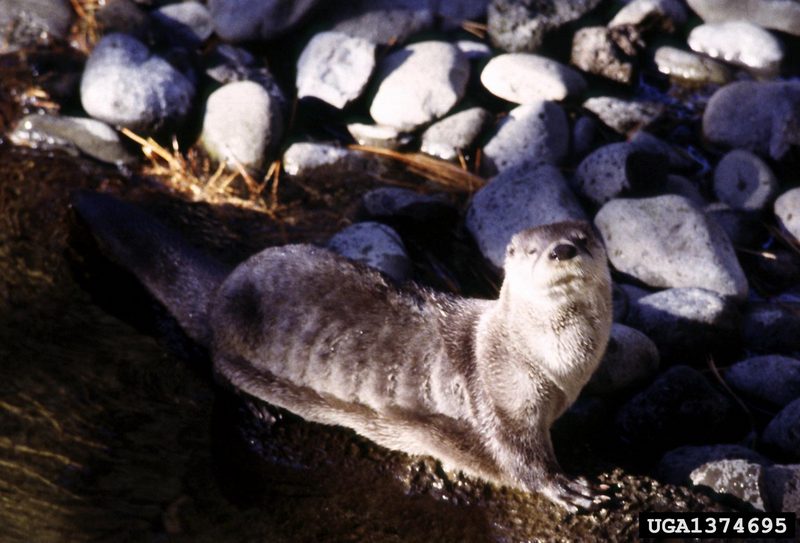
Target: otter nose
(563, 251)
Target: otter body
(474, 383)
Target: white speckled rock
(744, 181)
(241, 123)
(375, 245)
(772, 379)
(673, 12)
(771, 111)
(690, 67)
(787, 209)
(735, 477)
(530, 134)
(418, 84)
(781, 15)
(740, 43)
(335, 68)
(783, 431)
(624, 116)
(243, 20)
(524, 78)
(385, 22)
(631, 358)
(677, 465)
(314, 158)
(515, 200)
(445, 138)
(187, 22)
(124, 84)
(595, 51)
(783, 487)
(665, 241)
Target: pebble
(783, 15)
(671, 14)
(515, 200)
(783, 488)
(787, 209)
(124, 84)
(241, 123)
(624, 116)
(379, 135)
(677, 465)
(419, 83)
(455, 133)
(393, 202)
(783, 431)
(739, 43)
(335, 68)
(245, 20)
(303, 159)
(185, 22)
(763, 117)
(772, 379)
(616, 169)
(92, 137)
(735, 477)
(679, 408)
(595, 51)
(744, 181)
(529, 134)
(474, 50)
(665, 241)
(520, 26)
(687, 324)
(690, 67)
(383, 22)
(523, 78)
(375, 245)
(771, 328)
(26, 23)
(631, 358)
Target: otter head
(558, 257)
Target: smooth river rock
(783, 431)
(624, 116)
(690, 67)
(743, 181)
(244, 20)
(446, 138)
(375, 245)
(783, 15)
(771, 379)
(523, 78)
(383, 22)
(740, 43)
(787, 209)
(631, 358)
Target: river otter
(474, 383)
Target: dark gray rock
(25, 23)
(455, 12)
(515, 200)
(771, 379)
(375, 245)
(530, 134)
(458, 132)
(303, 159)
(619, 302)
(595, 51)
(677, 184)
(92, 137)
(687, 324)
(783, 431)
(743, 228)
(124, 84)
(631, 358)
(335, 68)
(244, 20)
(783, 15)
(772, 328)
(677, 465)
(388, 202)
(520, 25)
(669, 14)
(783, 488)
(690, 67)
(624, 116)
(617, 169)
(763, 117)
(125, 17)
(227, 64)
(679, 408)
(744, 181)
(379, 135)
(584, 136)
(665, 241)
(787, 209)
(418, 84)
(524, 78)
(382, 22)
(738, 478)
(677, 157)
(186, 23)
(740, 43)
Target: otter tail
(178, 275)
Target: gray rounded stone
(687, 323)
(384, 22)
(665, 241)
(783, 431)
(454, 12)
(457, 132)
(763, 117)
(677, 184)
(677, 465)
(419, 83)
(335, 68)
(677, 157)
(744, 228)
(783, 15)
(523, 78)
(735, 477)
(624, 116)
(783, 487)
(744, 181)
(241, 123)
(740, 43)
(474, 50)
(787, 209)
(302, 159)
(379, 135)
(631, 358)
(399, 202)
(124, 84)
(690, 67)
(244, 20)
(772, 379)
(185, 22)
(515, 200)
(770, 328)
(529, 134)
(25, 23)
(375, 245)
(671, 13)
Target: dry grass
(85, 32)
(476, 29)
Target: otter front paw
(571, 494)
